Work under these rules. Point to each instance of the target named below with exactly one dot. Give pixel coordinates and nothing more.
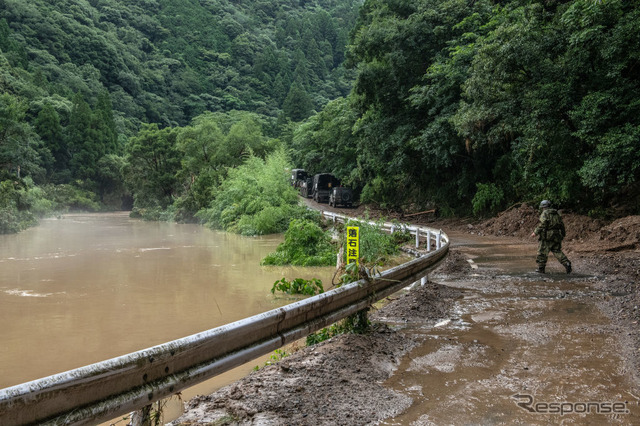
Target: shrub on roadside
(298, 286)
(255, 198)
(357, 323)
(488, 199)
(305, 244)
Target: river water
(88, 287)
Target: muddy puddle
(518, 348)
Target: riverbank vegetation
(298, 286)
(305, 244)
(255, 198)
(160, 106)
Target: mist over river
(88, 287)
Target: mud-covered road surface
(486, 341)
(517, 348)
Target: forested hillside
(79, 78)
(475, 105)
(167, 61)
(470, 106)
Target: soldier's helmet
(545, 204)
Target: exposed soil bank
(485, 342)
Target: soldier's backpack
(556, 230)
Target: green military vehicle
(323, 184)
(341, 196)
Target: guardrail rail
(118, 386)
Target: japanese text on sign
(353, 244)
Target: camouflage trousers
(554, 247)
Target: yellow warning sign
(353, 244)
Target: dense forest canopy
(167, 61)
(480, 104)
(469, 105)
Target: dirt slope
(583, 233)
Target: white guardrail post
(118, 386)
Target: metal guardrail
(418, 231)
(118, 386)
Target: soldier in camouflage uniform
(550, 232)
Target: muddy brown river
(88, 287)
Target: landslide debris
(583, 233)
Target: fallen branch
(419, 213)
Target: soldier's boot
(567, 266)
(540, 269)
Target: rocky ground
(481, 331)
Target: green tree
(47, 125)
(84, 155)
(110, 180)
(459, 101)
(409, 72)
(602, 53)
(298, 104)
(104, 126)
(507, 109)
(551, 92)
(201, 168)
(19, 143)
(325, 142)
(152, 165)
(5, 31)
(243, 139)
(160, 60)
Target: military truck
(298, 176)
(341, 195)
(306, 188)
(323, 184)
